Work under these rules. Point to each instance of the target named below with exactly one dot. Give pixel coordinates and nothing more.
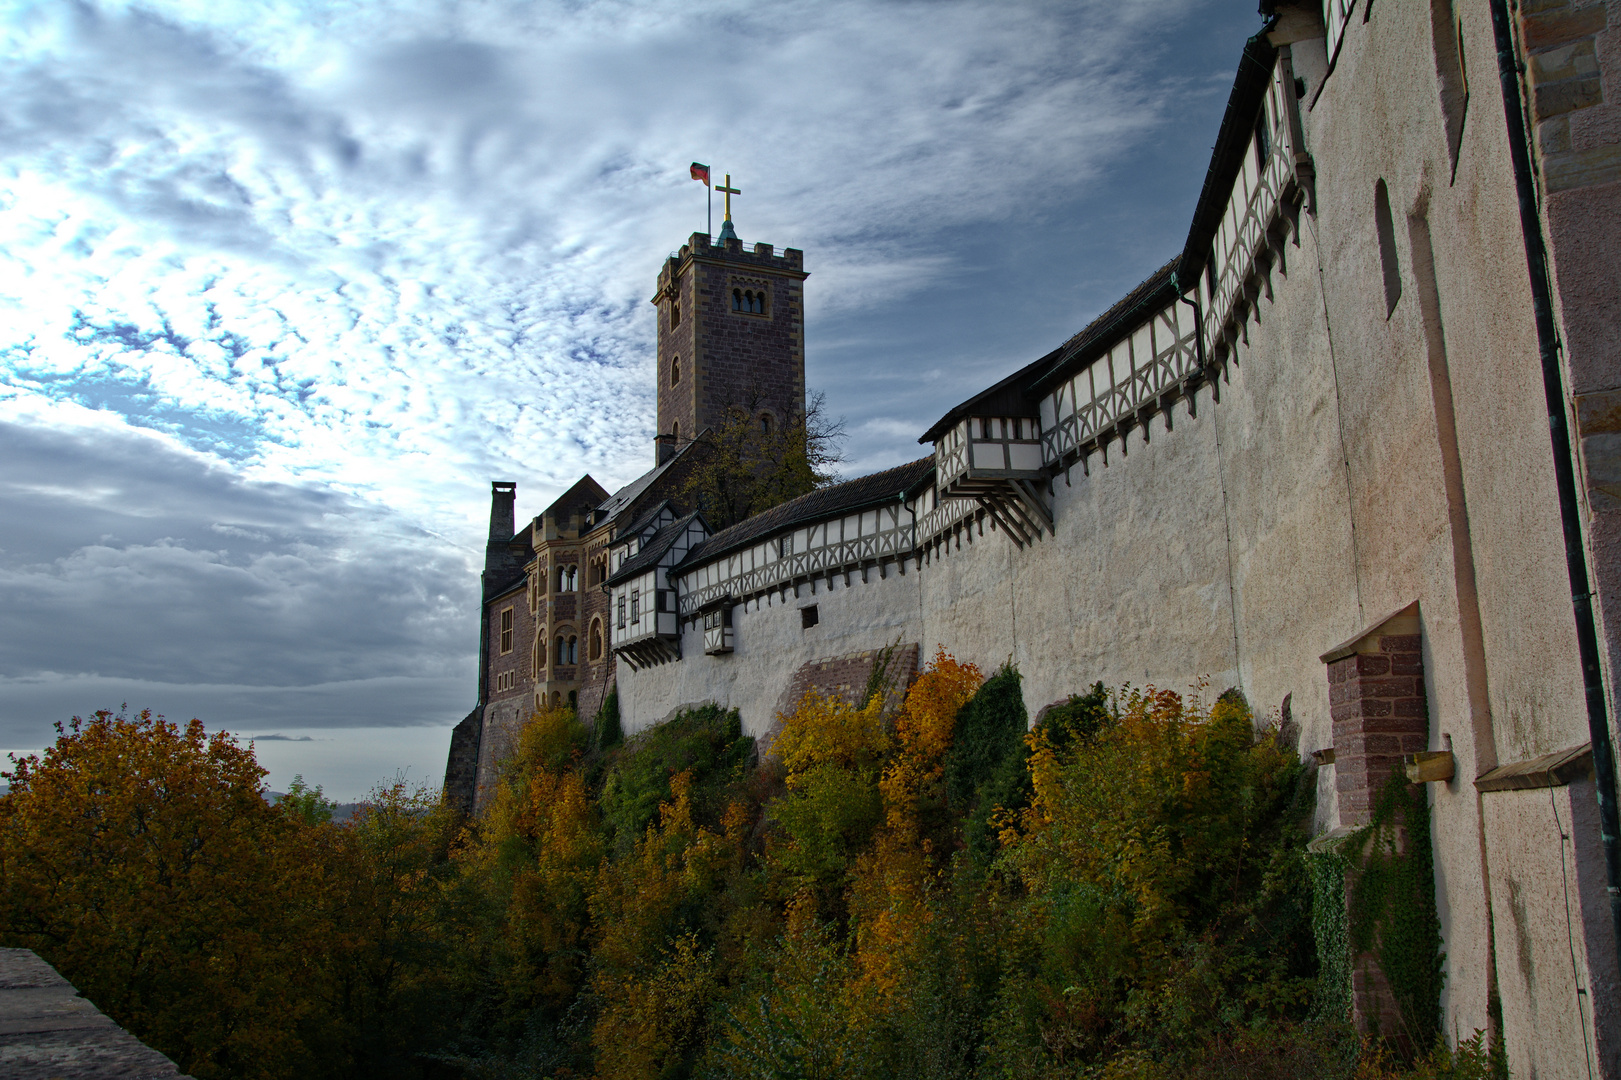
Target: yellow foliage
(653, 981)
(1125, 809)
(926, 719)
(540, 844)
(889, 897)
(825, 730)
(651, 1024)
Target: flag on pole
(700, 172)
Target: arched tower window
(675, 429)
(573, 650)
(737, 299)
(765, 423)
(562, 649)
(596, 640)
(675, 312)
(675, 371)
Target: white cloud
(283, 287)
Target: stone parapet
(49, 1032)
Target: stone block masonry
(847, 677)
(1376, 699)
(1380, 714)
(717, 356)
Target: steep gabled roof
(1006, 398)
(863, 493)
(627, 495)
(652, 551)
(584, 495)
(1101, 334)
(639, 526)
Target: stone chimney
(503, 503)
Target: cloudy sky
(283, 286)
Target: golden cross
(730, 191)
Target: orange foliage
(141, 858)
(889, 897)
(923, 730)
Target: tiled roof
(867, 491)
(653, 550)
(619, 500)
(1018, 394)
(1125, 315)
(636, 527)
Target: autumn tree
(750, 461)
(141, 858)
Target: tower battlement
(700, 246)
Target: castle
(1355, 450)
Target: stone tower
(731, 335)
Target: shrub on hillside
(707, 743)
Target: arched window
(675, 312)
(574, 650)
(596, 641)
(574, 579)
(557, 698)
(676, 431)
(675, 371)
(562, 650)
(765, 423)
(537, 657)
(737, 299)
(759, 303)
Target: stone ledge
(49, 1032)
(1548, 771)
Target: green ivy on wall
(1374, 894)
(1392, 905)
